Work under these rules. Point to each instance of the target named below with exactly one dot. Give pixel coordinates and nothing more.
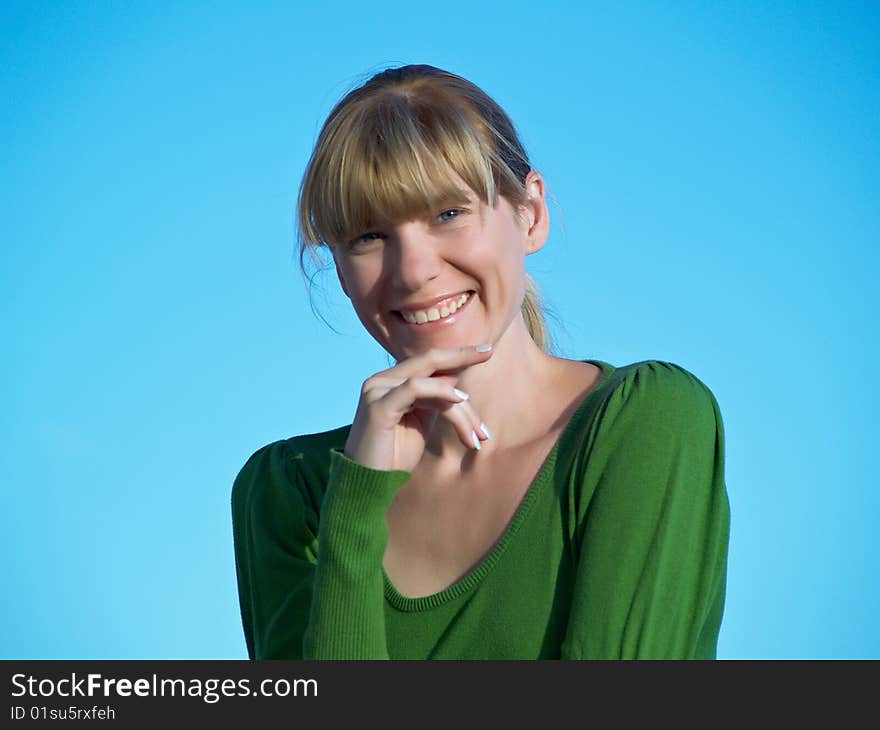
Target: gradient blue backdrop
(715, 174)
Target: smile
(442, 311)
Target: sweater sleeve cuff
(359, 490)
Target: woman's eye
(455, 213)
(366, 238)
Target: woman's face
(455, 277)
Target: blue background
(714, 169)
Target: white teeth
(433, 314)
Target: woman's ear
(537, 215)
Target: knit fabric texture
(617, 551)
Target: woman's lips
(447, 321)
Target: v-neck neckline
(540, 482)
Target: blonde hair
(378, 155)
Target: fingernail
(484, 348)
(485, 430)
(461, 394)
(476, 440)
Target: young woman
(489, 500)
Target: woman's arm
(653, 541)
(314, 588)
(294, 606)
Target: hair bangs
(395, 162)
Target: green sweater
(617, 551)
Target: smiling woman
(489, 499)
(475, 256)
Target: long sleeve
(651, 576)
(310, 575)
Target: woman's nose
(415, 260)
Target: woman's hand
(399, 406)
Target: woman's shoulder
(298, 464)
(306, 447)
(658, 428)
(660, 378)
(648, 396)
(632, 404)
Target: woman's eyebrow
(462, 197)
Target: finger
(462, 415)
(463, 422)
(399, 400)
(437, 395)
(379, 384)
(480, 428)
(438, 359)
